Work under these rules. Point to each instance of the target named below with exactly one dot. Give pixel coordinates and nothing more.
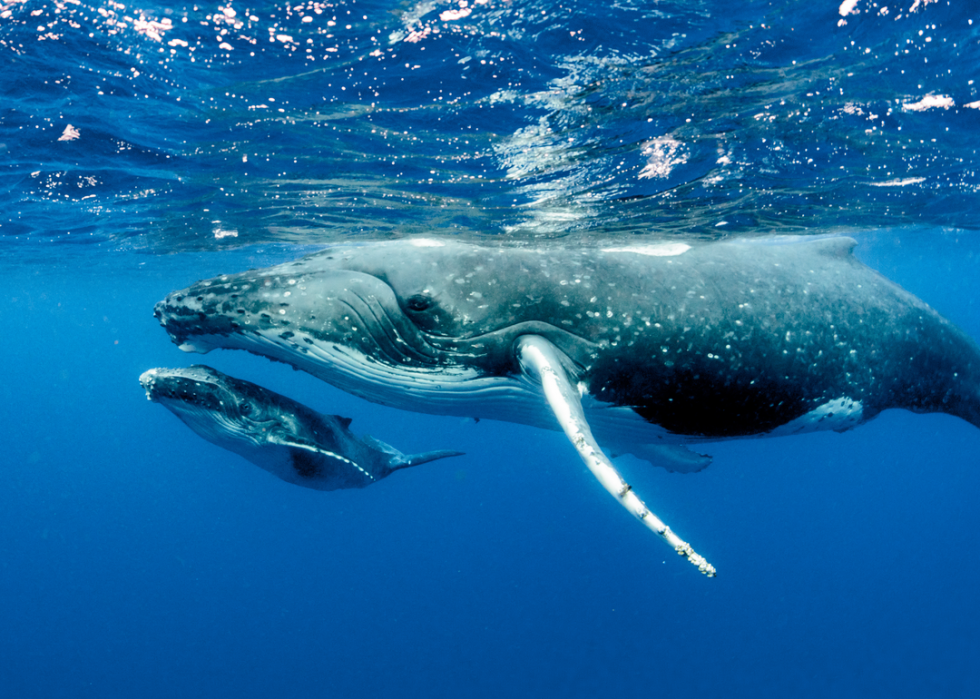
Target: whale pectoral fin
(542, 361)
(673, 457)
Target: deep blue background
(138, 560)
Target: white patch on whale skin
(655, 250)
(838, 415)
(192, 347)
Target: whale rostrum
(642, 348)
(278, 434)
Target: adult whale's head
(419, 324)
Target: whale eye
(245, 409)
(419, 303)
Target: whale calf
(640, 347)
(287, 439)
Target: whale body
(282, 436)
(658, 345)
(677, 344)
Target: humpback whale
(286, 438)
(641, 347)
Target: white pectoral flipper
(543, 361)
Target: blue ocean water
(145, 147)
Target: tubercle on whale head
(205, 314)
(178, 331)
(195, 386)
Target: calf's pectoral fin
(542, 361)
